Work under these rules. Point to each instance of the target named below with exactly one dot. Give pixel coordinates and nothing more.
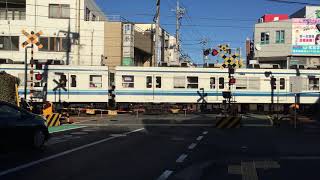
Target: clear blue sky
(206, 14)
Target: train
(184, 86)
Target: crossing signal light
(38, 77)
(206, 52)
(232, 81)
(215, 52)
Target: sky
(219, 21)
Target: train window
(282, 83)
(73, 81)
(221, 83)
(95, 81)
(241, 83)
(149, 81)
(313, 84)
(179, 82)
(212, 83)
(158, 82)
(128, 81)
(192, 82)
(254, 83)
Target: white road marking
(199, 138)
(205, 132)
(181, 158)
(27, 165)
(165, 175)
(192, 146)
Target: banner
(305, 37)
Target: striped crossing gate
(53, 119)
(229, 122)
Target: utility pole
(204, 43)
(179, 15)
(157, 58)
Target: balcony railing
(12, 14)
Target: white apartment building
(73, 30)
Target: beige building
(290, 42)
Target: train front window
(282, 84)
(127, 81)
(221, 83)
(212, 83)
(149, 81)
(158, 82)
(313, 84)
(192, 82)
(241, 83)
(95, 81)
(179, 82)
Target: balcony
(13, 10)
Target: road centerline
(192, 146)
(199, 138)
(181, 158)
(165, 175)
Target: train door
(149, 88)
(282, 90)
(213, 89)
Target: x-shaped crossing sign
(202, 97)
(32, 39)
(59, 86)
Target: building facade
(289, 42)
(72, 30)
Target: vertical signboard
(128, 45)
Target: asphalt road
(175, 147)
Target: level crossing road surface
(169, 147)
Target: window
(128, 81)
(9, 43)
(313, 84)
(87, 15)
(241, 83)
(221, 83)
(282, 84)
(95, 81)
(192, 82)
(179, 82)
(158, 82)
(61, 11)
(149, 81)
(265, 37)
(73, 81)
(212, 83)
(94, 17)
(280, 37)
(254, 83)
(57, 44)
